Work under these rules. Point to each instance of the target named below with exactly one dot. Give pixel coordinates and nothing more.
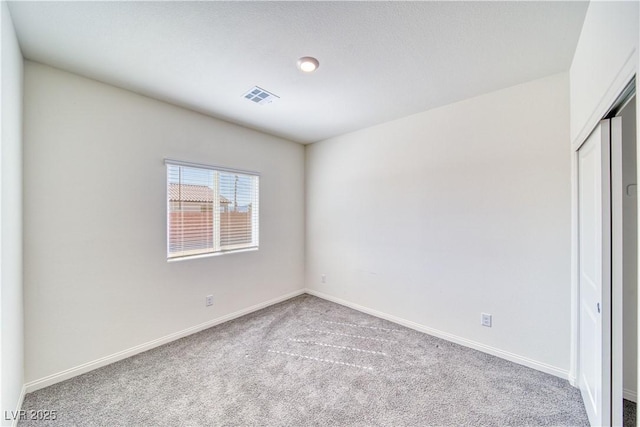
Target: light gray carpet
(628, 413)
(310, 362)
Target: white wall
(11, 309)
(439, 216)
(96, 277)
(604, 62)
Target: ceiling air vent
(260, 96)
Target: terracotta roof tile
(192, 193)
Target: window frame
(216, 224)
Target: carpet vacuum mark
(310, 362)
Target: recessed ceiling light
(308, 64)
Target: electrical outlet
(209, 300)
(485, 319)
(323, 278)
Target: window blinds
(210, 210)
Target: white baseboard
(562, 373)
(98, 363)
(630, 395)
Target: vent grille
(260, 96)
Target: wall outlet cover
(485, 319)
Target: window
(210, 210)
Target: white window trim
(210, 167)
(217, 251)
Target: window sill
(211, 254)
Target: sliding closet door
(594, 258)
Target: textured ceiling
(378, 60)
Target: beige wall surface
(11, 294)
(97, 281)
(442, 215)
(604, 62)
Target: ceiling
(378, 60)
